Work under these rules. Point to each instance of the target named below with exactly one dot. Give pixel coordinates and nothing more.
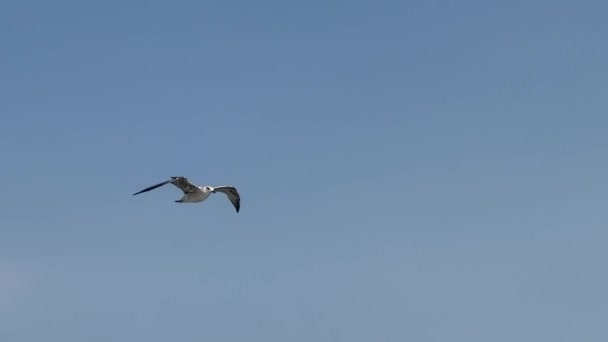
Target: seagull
(194, 193)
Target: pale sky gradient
(410, 171)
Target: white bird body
(195, 194)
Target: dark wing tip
(139, 192)
(237, 204)
(151, 187)
(237, 199)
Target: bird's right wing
(232, 193)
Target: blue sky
(409, 170)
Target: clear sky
(409, 171)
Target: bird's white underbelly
(196, 197)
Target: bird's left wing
(232, 193)
(153, 187)
(181, 182)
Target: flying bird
(194, 193)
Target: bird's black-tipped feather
(152, 187)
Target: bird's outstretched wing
(184, 184)
(181, 182)
(232, 193)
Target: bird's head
(209, 189)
